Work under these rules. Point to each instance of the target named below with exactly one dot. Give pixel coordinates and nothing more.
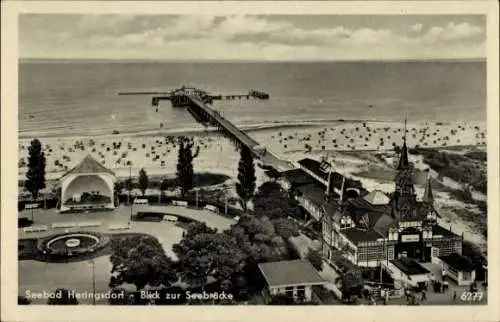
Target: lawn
(37, 276)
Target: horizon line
(146, 60)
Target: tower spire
(342, 191)
(428, 197)
(329, 183)
(403, 159)
(404, 134)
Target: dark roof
(428, 196)
(383, 223)
(359, 235)
(403, 159)
(409, 266)
(88, 165)
(315, 192)
(361, 202)
(458, 261)
(314, 166)
(297, 177)
(335, 179)
(290, 273)
(438, 230)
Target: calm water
(73, 98)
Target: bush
(316, 259)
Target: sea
(79, 98)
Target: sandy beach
(350, 146)
(158, 153)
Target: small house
(408, 272)
(293, 278)
(459, 268)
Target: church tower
(404, 197)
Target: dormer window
(345, 222)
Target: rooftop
(88, 165)
(409, 266)
(294, 272)
(438, 230)
(315, 192)
(359, 235)
(458, 261)
(377, 197)
(336, 178)
(297, 177)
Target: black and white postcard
(255, 160)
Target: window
(390, 253)
(371, 253)
(301, 293)
(289, 291)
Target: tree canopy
(140, 260)
(35, 176)
(270, 200)
(206, 255)
(245, 187)
(143, 181)
(316, 259)
(185, 172)
(257, 238)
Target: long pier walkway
(207, 115)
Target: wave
(197, 129)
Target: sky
(251, 37)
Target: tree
(270, 200)
(257, 238)
(143, 181)
(246, 177)
(286, 228)
(185, 172)
(352, 282)
(35, 177)
(129, 185)
(62, 297)
(117, 190)
(140, 260)
(164, 185)
(205, 254)
(316, 259)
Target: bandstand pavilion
(87, 186)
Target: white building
(407, 272)
(457, 267)
(88, 186)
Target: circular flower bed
(71, 244)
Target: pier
(210, 117)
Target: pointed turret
(404, 195)
(428, 197)
(341, 199)
(329, 183)
(403, 159)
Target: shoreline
(338, 141)
(158, 153)
(250, 128)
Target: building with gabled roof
(293, 278)
(87, 186)
(371, 227)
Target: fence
(33, 229)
